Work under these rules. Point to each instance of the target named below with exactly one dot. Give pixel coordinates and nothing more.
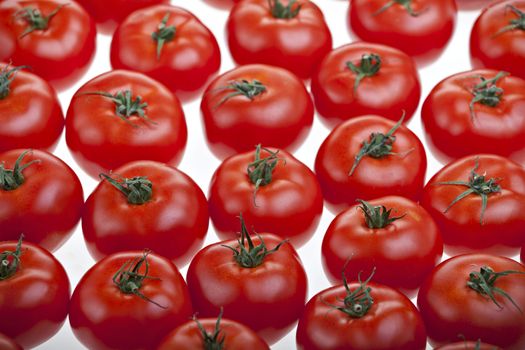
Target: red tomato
(34, 294)
(421, 28)
(522, 256)
(40, 196)
(469, 5)
(263, 286)
(370, 157)
(468, 345)
(109, 14)
(498, 38)
(55, 38)
(169, 44)
(233, 103)
(477, 296)
(387, 234)
(275, 192)
(363, 78)
(31, 113)
(455, 198)
(7, 343)
(129, 300)
(288, 34)
(122, 116)
(222, 4)
(146, 204)
(360, 316)
(478, 111)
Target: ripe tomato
(169, 44)
(122, 116)
(7, 343)
(31, 113)
(473, 112)
(360, 315)
(275, 192)
(363, 78)
(40, 196)
(477, 296)
(291, 34)
(387, 234)
(222, 4)
(370, 157)
(478, 203)
(109, 14)
(34, 293)
(259, 282)
(129, 300)
(146, 204)
(55, 38)
(232, 105)
(498, 37)
(421, 28)
(468, 345)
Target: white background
(200, 164)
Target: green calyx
(35, 19)
(484, 282)
(477, 184)
(486, 92)
(11, 179)
(212, 341)
(7, 75)
(241, 88)
(252, 256)
(514, 24)
(377, 217)
(368, 67)
(260, 171)
(10, 261)
(163, 34)
(129, 278)
(407, 4)
(138, 190)
(278, 10)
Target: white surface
(200, 164)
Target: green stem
(260, 171)
(368, 67)
(278, 10)
(35, 19)
(11, 179)
(7, 75)
(212, 341)
(10, 260)
(377, 217)
(514, 24)
(138, 189)
(163, 34)
(407, 4)
(486, 92)
(241, 88)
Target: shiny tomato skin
(100, 141)
(393, 322)
(268, 298)
(103, 318)
(71, 30)
(413, 240)
(333, 85)
(290, 206)
(186, 63)
(34, 301)
(235, 125)
(373, 177)
(453, 132)
(468, 345)
(31, 114)
(449, 307)
(236, 336)
(504, 218)
(296, 44)
(423, 37)
(47, 207)
(173, 223)
(490, 48)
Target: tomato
(420, 28)
(233, 103)
(146, 204)
(31, 114)
(129, 300)
(40, 196)
(275, 192)
(259, 282)
(468, 345)
(168, 44)
(222, 4)
(360, 315)
(370, 157)
(34, 293)
(477, 296)
(109, 14)
(497, 39)
(363, 78)
(455, 198)
(288, 34)
(476, 112)
(122, 116)
(55, 38)
(8, 343)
